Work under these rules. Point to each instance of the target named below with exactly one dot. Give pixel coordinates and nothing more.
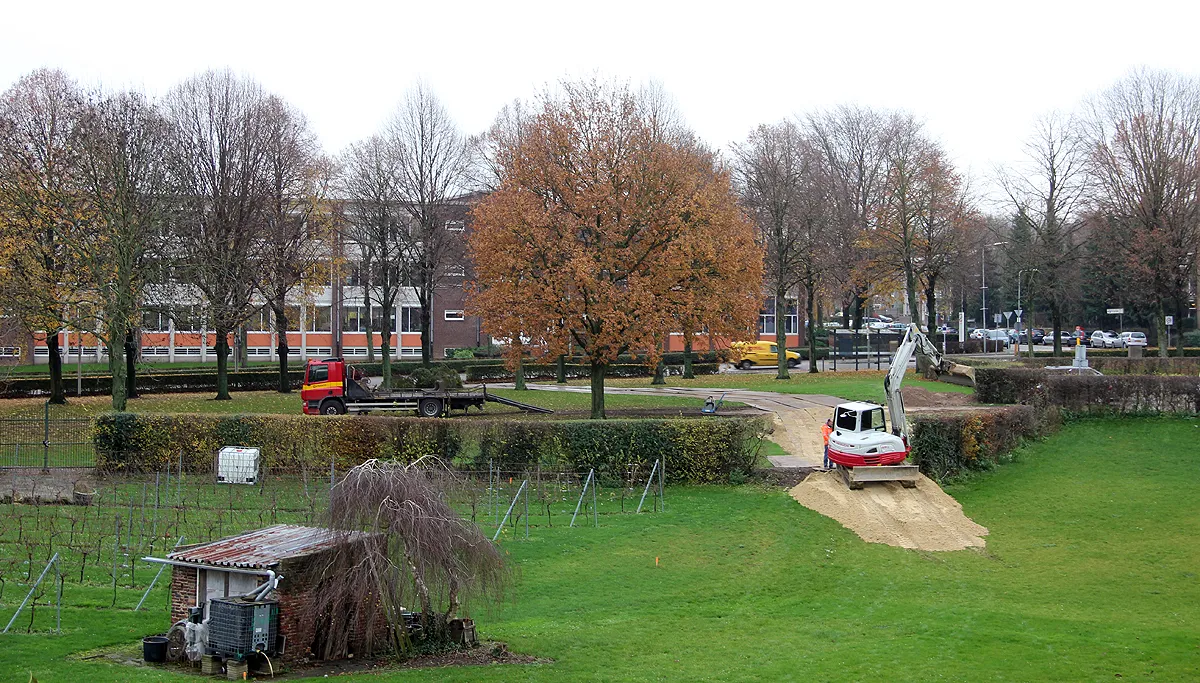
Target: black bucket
(154, 649)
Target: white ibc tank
(237, 465)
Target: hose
(269, 666)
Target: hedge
(1090, 394)
(500, 373)
(947, 444)
(1129, 366)
(1069, 352)
(697, 450)
(242, 380)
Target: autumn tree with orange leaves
(600, 228)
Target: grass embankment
(865, 385)
(1090, 573)
(274, 403)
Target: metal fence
(46, 443)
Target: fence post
(510, 509)
(582, 493)
(53, 561)
(154, 580)
(46, 438)
(646, 490)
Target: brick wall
(183, 591)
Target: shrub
(1129, 366)
(1006, 385)
(500, 373)
(157, 383)
(464, 354)
(944, 445)
(427, 378)
(1090, 394)
(696, 450)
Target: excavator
(861, 445)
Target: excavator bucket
(955, 373)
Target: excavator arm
(914, 341)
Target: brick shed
(301, 555)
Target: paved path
(798, 417)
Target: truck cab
(324, 389)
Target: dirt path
(922, 518)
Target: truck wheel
(430, 407)
(332, 406)
(791, 362)
(745, 365)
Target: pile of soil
(921, 518)
(920, 397)
(32, 486)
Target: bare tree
(376, 222)
(124, 142)
(905, 198)
(853, 142)
(417, 552)
(1144, 135)
(41, 211)
(771, 175)
(433, 160)
(1047, 192)
(222, 137)
(295, 230)
(943, 223)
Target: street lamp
(983, 288)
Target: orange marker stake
(656, 562)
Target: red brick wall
(183, 591)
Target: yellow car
(749, 354)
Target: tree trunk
(859, 301)
(910, 290)
(131, 358)
(1164, 339)
(931, 304)
(426, 336)
(598, 390)
(116, 363)
(243, 346)
(810, 289)
(519, 372)
(1056, 321)
(1180, 311)
(687, 356)
(222, 364)
(370, 336)
(385, 352)
(561, 377)
(780, 334)
(660, 376)
(57, 397)
(281, 347)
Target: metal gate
(46, 443)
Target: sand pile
(921, 518)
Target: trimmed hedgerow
(944, 445)
(158, 383)
(1129, 366)
(1078, 395)
(696, 450)
(500, 373)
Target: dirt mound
(920, 397)
(921, 518)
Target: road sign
(1116, 311)
(1170, 320)
(996, 318)
(1019, 311)
(1007, 315)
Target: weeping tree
(405, 549)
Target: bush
(427, 378)
(464, 354)
(1090, 394)
(1130, 366)
(696, 450)
(500, 373)
(944, 445)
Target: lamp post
(983, 288)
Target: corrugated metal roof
(263, 548)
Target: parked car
(877, 325)
(1103, 339)
(833, 325)
(977, 333)
(750, 354)
(995, 340)
(1133, 339)
(884, 318)
(1067, 338)
(1039, 335)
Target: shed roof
(264, 548)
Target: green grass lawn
(271, 402)
(865, 385)
(1090, 573)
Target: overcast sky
(977, 73)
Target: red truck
(331, 387)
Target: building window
(377, 316)
(354, 319)
(454, 315)
(318, 319)
(259, 321)
(410, 319)
(153, 321)
(456, 270)
(456, 226)
(792, 319)
(766, 318)
(293, 318)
